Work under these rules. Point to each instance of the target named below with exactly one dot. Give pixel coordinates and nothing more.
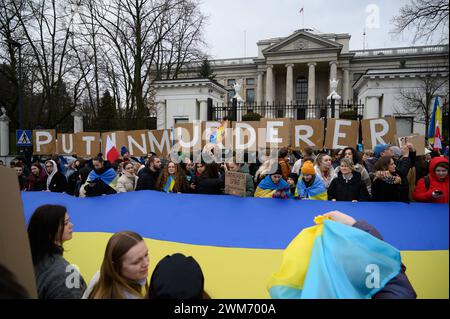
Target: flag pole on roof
(302, 12)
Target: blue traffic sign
(24, 138)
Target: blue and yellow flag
(316, 191)
(109, 177)
(435, 121)
(169, 184)
(334, 261)
(240, 242)
(268, 189)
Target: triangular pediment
(302, 41)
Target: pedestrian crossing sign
(23, 138)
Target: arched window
(301, 90)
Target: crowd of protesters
(388, 173)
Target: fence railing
(428, 49)
(297, 111)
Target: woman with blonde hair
(124, 270)
(172, 179)
(324, 168)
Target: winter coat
(285, 168)
(326, 180)
(56, 181)
(421, 194)
(348, 190)
(385, 190)
(147, 179)
(126, 183)
(37, 183)
(209, 186)
(364, 175)
(52, 276)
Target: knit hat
(308, 168)
(177, 277)
(123, 150)
(379, 148)
(294, 177)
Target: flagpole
(303, 17)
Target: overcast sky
(263, 19)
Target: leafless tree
(426, 18)
(81, 48)
(419, 100)
(137, 34)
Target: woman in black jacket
(386, 189)
(348, 185)
(209, 181)
(56, 181)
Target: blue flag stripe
(229, 221)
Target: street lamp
(19, 46)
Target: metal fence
(246, 111)
(122, 124)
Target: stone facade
(298, 69)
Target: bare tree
(10, 39)
(46, 29)
(426, 18)
(115, 45)
(419, 100)
(135, 34)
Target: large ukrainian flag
(239, 242)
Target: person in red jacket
(437, 190)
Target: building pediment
(302, 41)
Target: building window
(250, 81)
(250, 96)
(301, 90)
(404, 125)
(181, 120)
(230, 82)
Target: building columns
(203, 110)
(259, 89)
(161, 111)
(312, 82)
(345, 86)
(333, 71)
(77, 121)
(270, 85)
(372, 107)
(289, 84)
(4, 135)
(289, 90)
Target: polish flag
(437, 145)
(112, 154)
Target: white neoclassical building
(297, 70)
